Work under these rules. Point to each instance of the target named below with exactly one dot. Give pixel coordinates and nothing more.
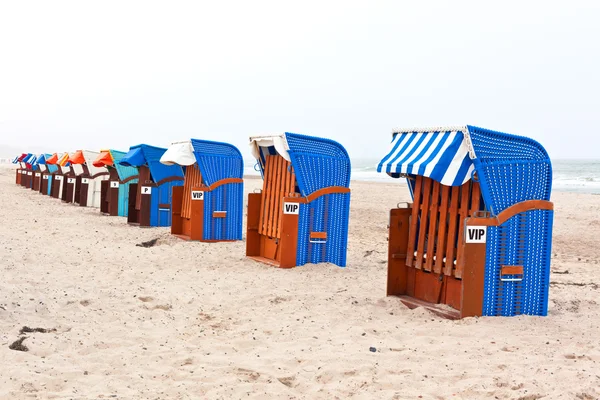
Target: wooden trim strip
(511, 270)
(441, 234)
(219, 214)
(414, 221)
(511, 211)
(129, 179)
(423, 218)
(220, 183)
(433, 225)
(317, 194)
(169, 179)
(318, 235)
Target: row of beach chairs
(475, 241)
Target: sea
(581, 176)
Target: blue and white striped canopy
(441, 154)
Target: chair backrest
(437, 223)
(279, 182)
(192, 179)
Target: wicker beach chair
(30, 167)
(150, 198)
(209, 205)
(114, 192)
(48, 170)
(38, 166)
(301, 215)
(21, 168)
(88, 178)
(477, 236)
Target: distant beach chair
(27, 180)
(150, 198)
(209, 205)
(20, 168)
(48, 170)
(478, 234)
(301, 215)
(37, 173)
(115, 191)
(57, 176)
(62, 178)
(88, 178)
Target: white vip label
(45, 177)
(291, 208)
(59, 177)
(71, 180)
(476, 234)
(37, 174)
(29, 173)
(22, 172)
(114, 184)
(146, 190)
(85, 181)
(197, 195)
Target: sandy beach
(185, 320)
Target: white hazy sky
(80, 74)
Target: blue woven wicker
(145, 155)
(218, 161)
(512, 169)
(319, 163)
(124, 173)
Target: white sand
(193, 320)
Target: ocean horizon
(569, 175)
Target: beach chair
(477, 237)
(48, 170)
(37, 173)
(62, 176)
(301, 215)
(150, 198)
(27, 180)
(88, 178)
(209, 205)
(20, 168)
(114, 192)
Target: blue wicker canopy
(144, 154)
(217, 160)
(317, 162)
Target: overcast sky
(79, 74)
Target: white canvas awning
(179, 153)
(278, 142)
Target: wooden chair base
(440, 310)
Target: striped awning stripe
(442, 155)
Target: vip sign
(29, 173)
(476, 234)
(85, 181)
(71, 180)
(114, 184)
(59, 177)
(291, 208)
(197, 195)
(37, 174)
(45, 177)
(146, 190)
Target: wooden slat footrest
(438, 309)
